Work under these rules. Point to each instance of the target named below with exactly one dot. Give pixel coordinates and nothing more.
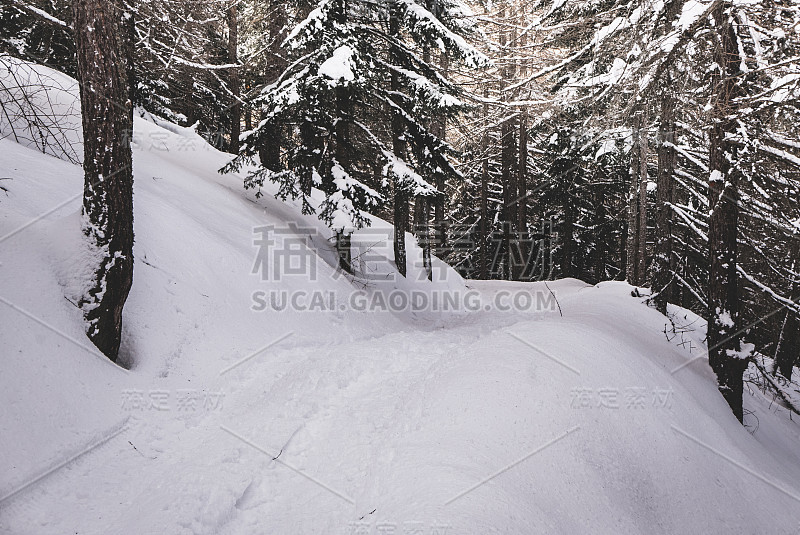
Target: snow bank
(39, 109)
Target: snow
(312, 23)
(784, 87)
(43, 115)
(692, 10)
(745, 351)
(484, 418)
(419, 19)
(339, 67)
(607, 145)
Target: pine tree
(335, 100)
(730, 161)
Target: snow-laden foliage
(331, 106)
(725, 73)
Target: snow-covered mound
(39, 108)
(509, 410)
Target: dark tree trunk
(270, 151)
(787, 352)
(401, 197)
(108, 176)
(568, 240)
(509, 214)
(233, 77)
(525, 247)
(308, 136)
(632, 243)
(662, 280)
(344, 251)
(641, 251)
(417, 227)
(128, 25)
(622, 244)
(424, 236)
(787, 355)
(484, 226)
(723, 297)
(400, 220)
(508, 164)
(439, 222)
(344, 159)
(600, 248)
(422, 230)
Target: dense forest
(652, 141)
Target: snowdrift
(516, 410)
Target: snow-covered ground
(513, 413)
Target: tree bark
(344, 251)
(662, 277)
(600, 249)
(507, 140)
(568, 240)
(400, 216)
(507, 162)
(439, 222)
(233, 77)
(270, 150)
(425, 240)
(632, 244)
(107, 118)
(344, 158)
(723, 294)
(787, 352)
(484, 226)
(641, 251)
(523, 236)
(787, 355)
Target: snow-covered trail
(403, 430)
(482, 421)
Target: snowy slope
(238, 420)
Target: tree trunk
(270, 151)
(661, 283)
(418, 224)
(507, 164)
(641, 251)
(523, 236)
(310, 140)
(600, 249)
(723, 296)
(787, 355)
(568, 240)
(787, 352)
(233, 77)
(400, 217)
(425, 239)
(632, 244)
(509, 195)
(484, 226)
(344, 159)
(107, 117)
(439, 223)
(400, 220)
(129, 47)
(344, 251)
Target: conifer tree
(355, 68)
